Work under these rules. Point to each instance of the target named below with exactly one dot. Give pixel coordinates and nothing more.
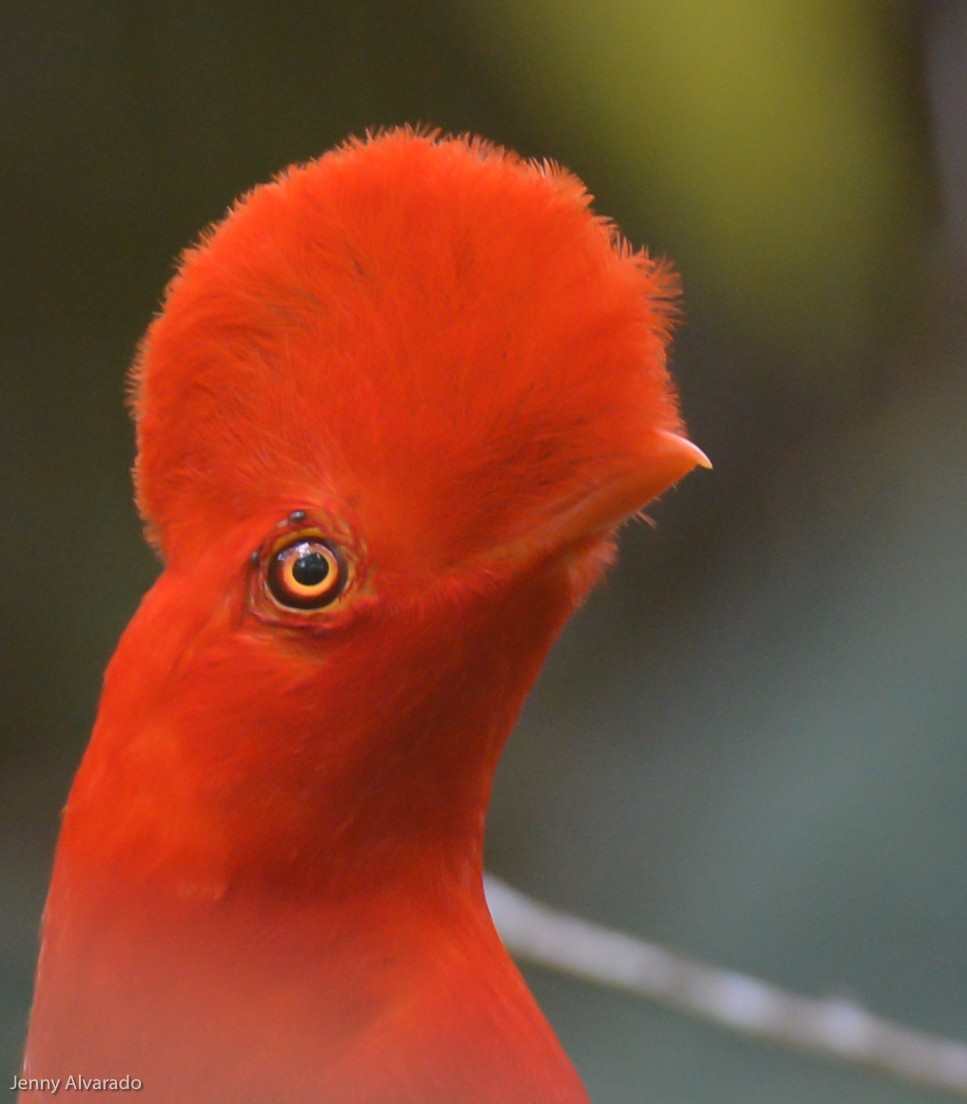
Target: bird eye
(306, 573)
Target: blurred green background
(752, 744)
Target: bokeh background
(752, 745)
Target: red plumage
(429, 361)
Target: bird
(389, 418)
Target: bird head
(393, 410)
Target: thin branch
(830, 1028)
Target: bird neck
(211, 771)
(295, 911)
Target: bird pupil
(310, 569)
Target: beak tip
(686, 450)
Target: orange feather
(394, 408)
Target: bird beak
(669, 457)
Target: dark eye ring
(305, 573)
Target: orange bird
(393, 411)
